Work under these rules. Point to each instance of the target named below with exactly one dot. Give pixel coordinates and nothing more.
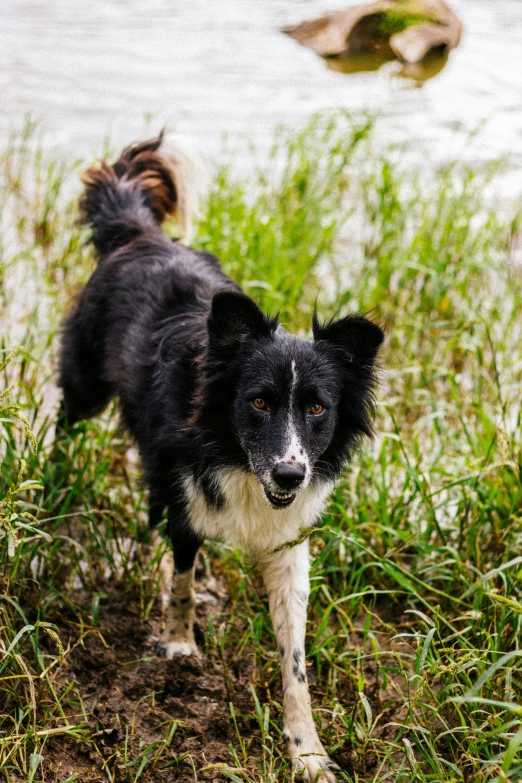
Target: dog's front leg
(177, 637)
(286, 576)
(178, 594)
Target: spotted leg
(178, 595)
(286, 578)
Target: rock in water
(407, 29)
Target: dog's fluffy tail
(149, 182)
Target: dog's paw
(175, 649)
(315, 768)
(310, 760)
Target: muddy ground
(130, 699)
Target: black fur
(162, 327)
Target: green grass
(415, 623)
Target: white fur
(294, 383)
(247, 520)
(295, 451)
(190, 178)
(178, 603)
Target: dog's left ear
(354, 336)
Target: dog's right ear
(233, 318)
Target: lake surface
(214, 68)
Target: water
(209, 69)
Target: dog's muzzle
(287, 476)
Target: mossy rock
(408, 29)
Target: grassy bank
(415, 622)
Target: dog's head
(294, 407)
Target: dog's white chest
(247, 520)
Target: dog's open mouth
(280, 499)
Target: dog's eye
(316, 409)
(259, 403)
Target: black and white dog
(242, 427)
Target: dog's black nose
(288, 476)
